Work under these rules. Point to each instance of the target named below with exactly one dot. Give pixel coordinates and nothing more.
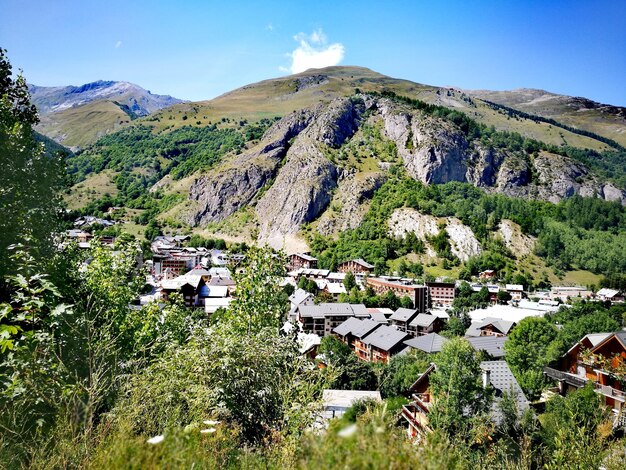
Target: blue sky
(199, 49)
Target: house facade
(441, 294)
(418, 294)
(599, 358)
(301, 260)
(356, 266)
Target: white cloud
(118, 44)
(313, 52)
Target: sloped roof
(607, 292)
(347, 326)
(492, 345)
(385, 337)
(429, 343)
(403, 314)
(502, 326)
(321, 310)
(503, 381)
(346, 398)
(514, 287)
(299, 296)
(379, 317)
(423, 320)
(305, 256)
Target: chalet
(496, 377)
(425, 323)
(418, 294)
(333, 289)
(321, 319)
(516, 291)
(490, 327)
(383, 342)
(429, 343)
(487, 275)
(301, 260)
(356, 266)
(193, 286)
(610, 295)
(352, 332)
(441, 294)
(402, 317)
(299, 297)
(599, 358)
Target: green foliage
(457, 390)
(259, 302)
(349, 281)
(308, 285)
(401, 372)
(527, 353)
(30, 180)
(344, 370)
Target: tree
(30, 179)
(527, 351)
(349, 281)
(503, 297)
(401, 372)
(308, 285)
(456, 386)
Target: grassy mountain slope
(80, 126)
(279, 96)
(602, 119)
(78, 116)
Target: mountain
(284, 159)
(78, 115)
(602, 119)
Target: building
(402, 317)
(566, 293)
(429, 343)
(323, 318)
(598, 358)
(425, 323)
(516, 291)
(336, 402)
(299, 297)
(352, 332)
(487, 275)
(301, 260)
(383, 342)
(610, 295)
(492, 289)
(490, 327)
(356, 266)
(418, 294)
(441, 294)
(496, 375)
(492, 345)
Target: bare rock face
(463, 242)
(433, 150)
(235, 184)
(349, 205)
(300, 193)
(513, 238)
(304, 185)
(483, 166)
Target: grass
(94, 187)
(83, 125)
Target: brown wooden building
(418, 294)
(356, 266)
(301, 260)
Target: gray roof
(305, 256)
(492, 345)
(326, 309)
(403, 314)
(347, 326)
(385, 337)
(363, 263)
(299, 296)
(423, 319)
(379, 317)
(503, 326)
(356, 327)
(503, 381)
(430, 343)
(360, 310)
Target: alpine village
(333, 269)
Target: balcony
(578, 382)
